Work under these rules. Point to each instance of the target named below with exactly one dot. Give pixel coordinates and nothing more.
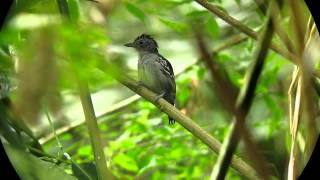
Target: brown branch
(242, 28)
(251, 33)
(237, 163)
(262, 4)
(226, 90)
(235, 39)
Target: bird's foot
(156, 100)
(140, 84)
(171, 121)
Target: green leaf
(126, 162)
(198, 17)
(6, 63)
(224, 57)
(196, 14)
(87, 171)
(66, 137)
(9, 36)
(74, 9)
(212, 27)
(176, 26)
(152, 163)
(238, 2)
(181, 2)
(85, 151)
(200, 73)
(135, 11)
(31, 167)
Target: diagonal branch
(241, 27)
(262, 5)
(251, 33)
(226, 90)
(233, 40)
(237, 163)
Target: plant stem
(86, 102)
(94, 132)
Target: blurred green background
(44, 56)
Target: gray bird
(154, 71)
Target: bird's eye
(140, 42)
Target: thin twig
(241, 27)
(84, 173)
(277, 28)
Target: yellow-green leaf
(212, 27)
(135, 11)
(177, 26)
(126, 162)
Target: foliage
(138, 141)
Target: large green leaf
(176, 26)
(31, 167)
(126, 162)
(212, 27)
(74, 9)
(85, 171)
(135, 11)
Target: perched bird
(154, 71)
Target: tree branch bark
(242, 28)
(235, 39)
(236, 162)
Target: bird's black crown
(146, 36)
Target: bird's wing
(167, 70)
(166, 67)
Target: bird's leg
(156, 100)
(140, 83)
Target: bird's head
(144, 43)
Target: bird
(154, 71)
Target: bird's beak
(130, 45)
